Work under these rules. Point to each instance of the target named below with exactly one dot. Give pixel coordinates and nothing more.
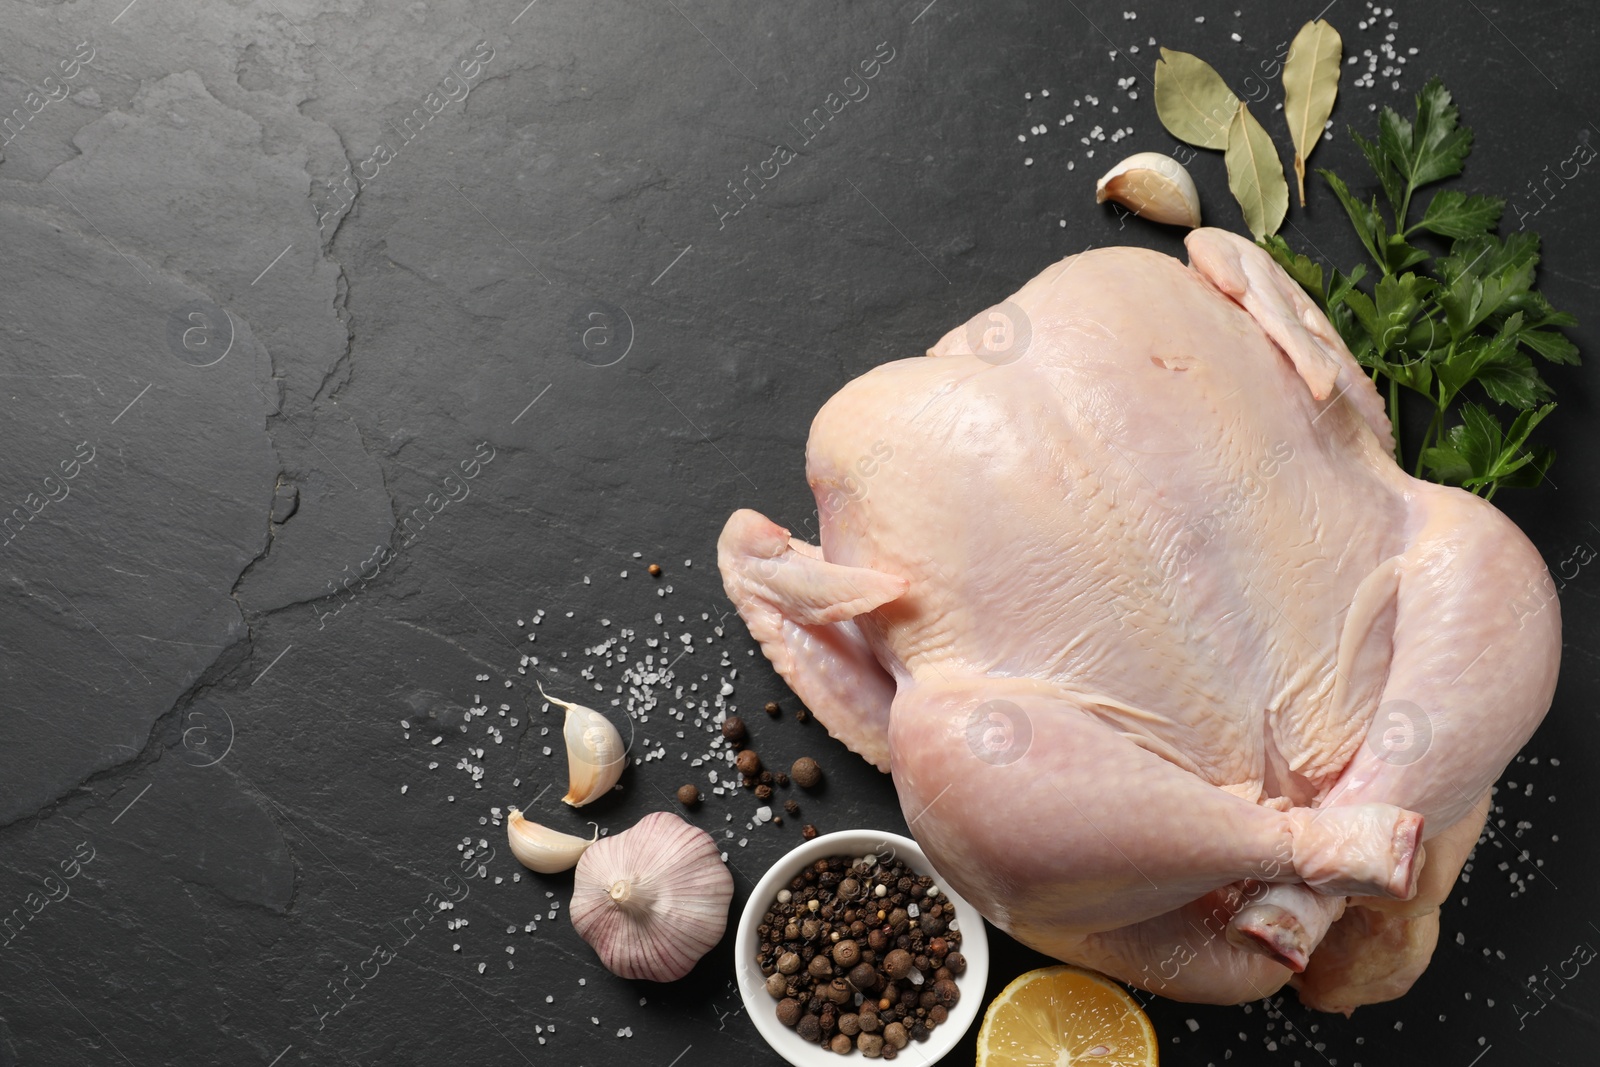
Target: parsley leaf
(1415, 154)
(1301, 268)
(1455, 214)
(1478, 455)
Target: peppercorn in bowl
(884, 960)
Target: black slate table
(341, 342)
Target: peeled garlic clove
(1154, 187)
(595, 753)
(542, 849)
(653, 899)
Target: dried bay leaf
(1255, 174)
(1310, 85)
(1194, 103)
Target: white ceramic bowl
(760, 1006)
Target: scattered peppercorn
(791, 807)
(772, 708)
(733, 729)
(688, 796)
(805, 772)
(748, 762)
(655, 570)
(847, 961)
(763, 792)
(808, 832)
(801, 715)
(781, 779)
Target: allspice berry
(946, 993)
(788, 1011)
(688, 795)
(896, 964)
(895, 1034)
(841, 1044)
(819, 967)
(850, 1024)
(655, 570)
(809, 1028)
(788, 963)
(864, 976)
(871, 1045)
(846, 953)
(777, 986)
(748, 762)
(805, 772)
(733, 729)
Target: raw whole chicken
(1179, 676)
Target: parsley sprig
(1459, 328)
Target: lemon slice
(1065, 1017)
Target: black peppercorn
(809, 832)
(791, 807)
(772, 708)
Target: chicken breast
(1169, 660)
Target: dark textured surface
(190, 704)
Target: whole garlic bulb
(653, 899)
(595, 752)
(1153, 186)
(542, 849)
